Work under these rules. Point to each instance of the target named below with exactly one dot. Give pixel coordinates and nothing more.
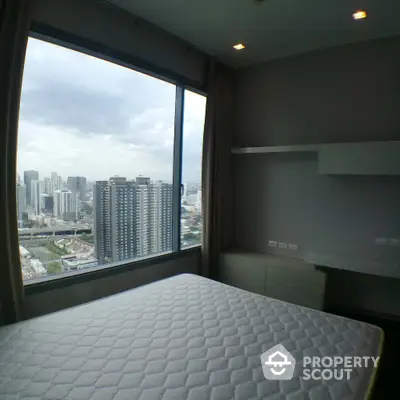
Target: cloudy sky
(88, 117)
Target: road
(55, 230)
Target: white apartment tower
(198, 200)
(48, 186)
(56, 181)
(65, 205)
(37, 189)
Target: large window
(192, 144)
(95, 163)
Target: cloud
(74, 106)
(94, 156)
(85, 116)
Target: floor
(387, 378)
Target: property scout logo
(278, 364)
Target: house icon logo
(278, 364)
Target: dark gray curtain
(14, 20)
(216, 182)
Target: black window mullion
(177, 170)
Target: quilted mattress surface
(185, 337)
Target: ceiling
(271, 28)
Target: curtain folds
(14, 28)
(216, 180)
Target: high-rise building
(21, 202)
(37, 189)
(47, 204)
(184, 191)
(161, 217)
(77, 184)
(198, 200)
(122, 200)
(102, 232)
(43, 201)
(53, 179)
(57, 181)
(143, 180)
(153, 218)
(29, 176)
(132, 218)
(65, 205)
(34, 199)
(48, 186)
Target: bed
(184, 337)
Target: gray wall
(54, 300)
(350, 93)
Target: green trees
(56, 250)
(54, 268)
(87, 238)
(190, 236)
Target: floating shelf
(276, 149)
(353, 158)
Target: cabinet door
(369, 158)
(243, 271)
(302, 286)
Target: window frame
(94, 49)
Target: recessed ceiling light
(360, 14)
(239, 46)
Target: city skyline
(118, 220)
(43, 177)
(74, 119)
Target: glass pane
(193, 127)
(95, 156)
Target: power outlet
(272, 243)
(293, 247)
(282, 245)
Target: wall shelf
(276, 149)
(353, 158)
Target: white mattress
(185, 337)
